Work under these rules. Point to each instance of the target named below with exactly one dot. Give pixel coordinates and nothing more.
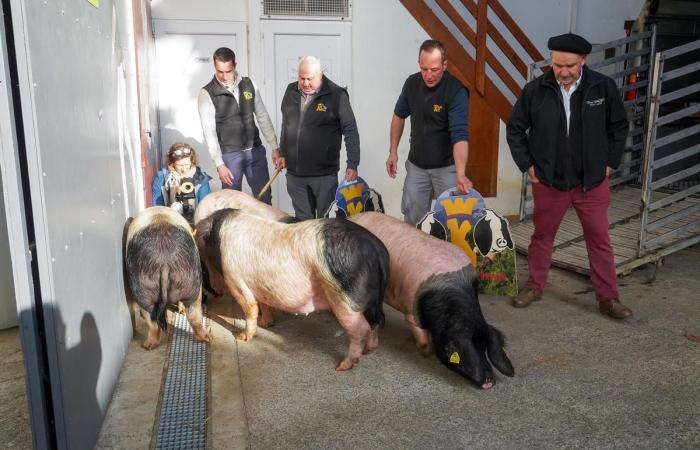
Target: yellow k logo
(320, 107)
(350, 193)
(247, 95)
(437, 108)
(459, 231)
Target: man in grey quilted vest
(229, 106)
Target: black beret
(571, 43)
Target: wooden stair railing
(487, 103)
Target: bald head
(310, 74)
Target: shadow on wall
(73, 378)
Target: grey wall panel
(8, 304)
(68, 69)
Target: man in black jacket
(316, 115)
(567, 131)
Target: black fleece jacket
(538, 122)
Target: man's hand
(350, 174)
(531, 174)
(463, 183)
(278, 160)
(391, 162)
(225, 175)
(608, 171)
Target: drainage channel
(182, 423)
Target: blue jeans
(253, 164)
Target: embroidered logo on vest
(247, 95)
(437, 108)
(320, 107)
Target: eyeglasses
(182, 151)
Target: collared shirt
(566, 98)
(306, 99)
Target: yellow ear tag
(454, 358)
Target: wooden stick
(269, 183)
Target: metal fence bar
(618, 58)
(668, 118)
(676, 176)
(678, 135)
(671, 235)
(678, 196)
(633, 38)
(636, 69)
(676, 216)
(666, 160)
(681, 49)
(675, 73)
(680, 93)
(629, 87)
(650, 137)
(636, 101)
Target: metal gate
(654, 210)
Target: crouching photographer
(183, 184)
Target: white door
(184, 65)
(284, 41)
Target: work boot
(527, 296)
(614, 309)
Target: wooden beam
(480, 65)
(457, 19)
(461, 64)
(482, 165)
(515, 30)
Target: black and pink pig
(432, 283)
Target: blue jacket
(160, 191)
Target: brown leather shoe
(525, 297)
(614, 309)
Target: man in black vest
(228, 107)
(567, 131)
(438, 105)
(316, 115)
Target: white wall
(230, 10)
(385, 52)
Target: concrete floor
(582, 380)
(14, 415)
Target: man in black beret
(567, 131)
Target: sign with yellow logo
(481, 233)
(320, 107)
(247, 95)
(437, 108)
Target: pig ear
(495, 348)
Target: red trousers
(592, 209)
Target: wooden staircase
(488, 103)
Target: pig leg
(354, 324)
(153, 339)
(421, 335)
(194, 317)
(266, 319)
(246, 300)
(372, 340)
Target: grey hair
(313, 63)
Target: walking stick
(269, 183)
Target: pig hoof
(266, 323)
(424, 349)
(488, 384)
(150, 345)
(372, 342)
(242, 336)
(203, 335)
(347, 364)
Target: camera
(186, 197)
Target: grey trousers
(419, 188)
(311, 196)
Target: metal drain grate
(183, 410)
